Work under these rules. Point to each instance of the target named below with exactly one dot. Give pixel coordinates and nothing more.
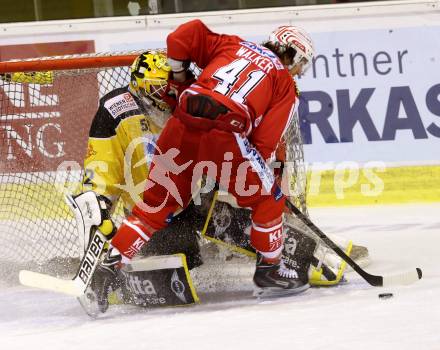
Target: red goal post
(67, 63)
(46, 107)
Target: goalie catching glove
(92, 211)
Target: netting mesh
(44, 123)
(295, 165)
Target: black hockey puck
(385, 295)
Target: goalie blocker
(159, 277)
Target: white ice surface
(346, 317)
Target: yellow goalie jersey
(122, 141)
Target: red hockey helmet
(285, 37)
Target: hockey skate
(276, 280)
(105, 280)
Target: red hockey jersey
(244, 76)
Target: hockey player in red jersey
(227, 124)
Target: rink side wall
(370, 115)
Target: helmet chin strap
(297, 67)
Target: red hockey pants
(185, 153)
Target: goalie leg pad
(156, 281)
(298, 251)
(230, 227)
(322, 275)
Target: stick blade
(47, 282)
(403, 278)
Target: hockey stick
(377, 281)
(77, 286)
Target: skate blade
(275, 292)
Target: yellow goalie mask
(149, 77)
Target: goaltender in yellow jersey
(124, 131)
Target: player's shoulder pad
(113, 107)
(119, 102)
(104, 124)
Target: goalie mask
(149, 77)
(297, 43)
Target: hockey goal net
(46, 108)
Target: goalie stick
(88, 214)
(374, 280)
(77, 286)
